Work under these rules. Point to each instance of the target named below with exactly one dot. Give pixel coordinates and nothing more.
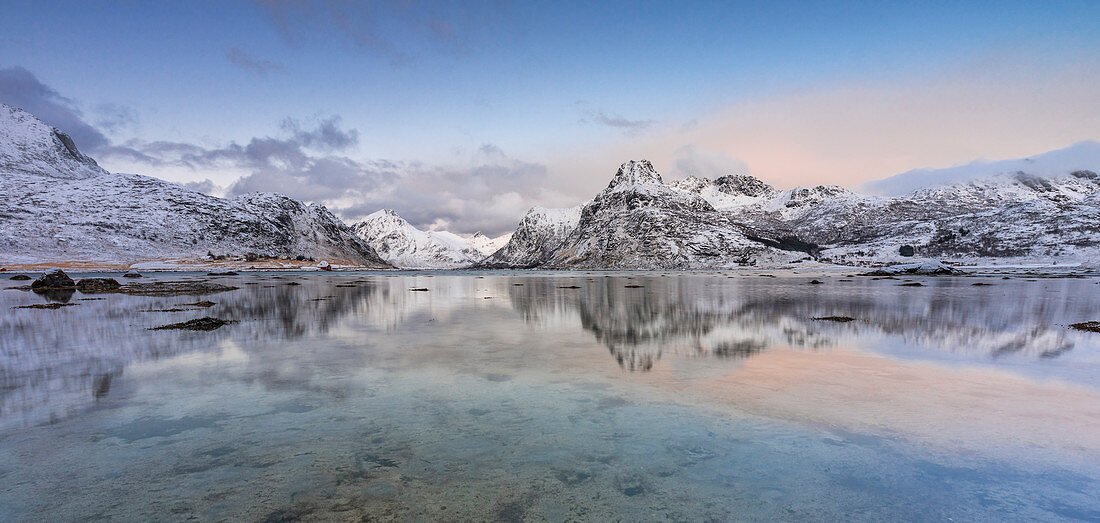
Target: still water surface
(555, 396)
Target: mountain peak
(383, 214)
(635, 172)
(28, 144)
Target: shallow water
(556, 396)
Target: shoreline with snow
(20, 265)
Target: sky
(463, 115)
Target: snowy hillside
(60, 205)
(405, 246)
(1080, 156)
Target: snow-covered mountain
(1083, 155)
(640, 222)
(539, 234)
(487, 245)
(403, 245)
(58, 204)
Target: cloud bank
(21, 88)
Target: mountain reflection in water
(54, 363)
(554, 396)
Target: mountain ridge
(60, 204)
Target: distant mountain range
(403, 245)
(640, 222)
(60, 205)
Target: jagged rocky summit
(60, 205)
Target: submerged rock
(45, 306)
(92, 285)
(174, 288)
(1088, 326)
(841, 319)
(20, 277)
(206, 323)
(132, 274)
(931, 268)
(53, 279)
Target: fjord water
(555, 396)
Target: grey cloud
(396, 30)
(600, 117)
(692, 160)
(327, 135)
(206, 186)
(619, 122)
(20, 88)
(260, 67)
(114, 117)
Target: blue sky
(493, 107)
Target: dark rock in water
(841, 319)
(93, 285)
(53, 279)
(174, 288)
(132, 274)
(45, 306)
(226, 273)
(205, 323)
(419, 289)
(912, 284)
(59, 295)
(816, 282)
(203, 303)
(20, 277)
(1088, 326)
(907, 250)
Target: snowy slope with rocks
(405, 246)
(1083, 155)
(539, 234)
(60, 205)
